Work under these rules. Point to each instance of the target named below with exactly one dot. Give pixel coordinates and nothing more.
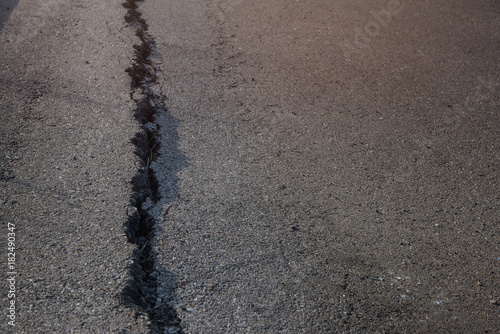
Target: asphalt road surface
(287, 166)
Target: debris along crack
(142, 290)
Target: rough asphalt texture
(323, 166)
(67, 163)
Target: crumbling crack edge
(142, 289)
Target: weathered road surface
(336, 172)
(299, 166)
(66, 164)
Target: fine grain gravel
(66, 165)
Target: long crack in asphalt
(142, 290)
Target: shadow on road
(6, 9)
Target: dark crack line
(142, 289)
